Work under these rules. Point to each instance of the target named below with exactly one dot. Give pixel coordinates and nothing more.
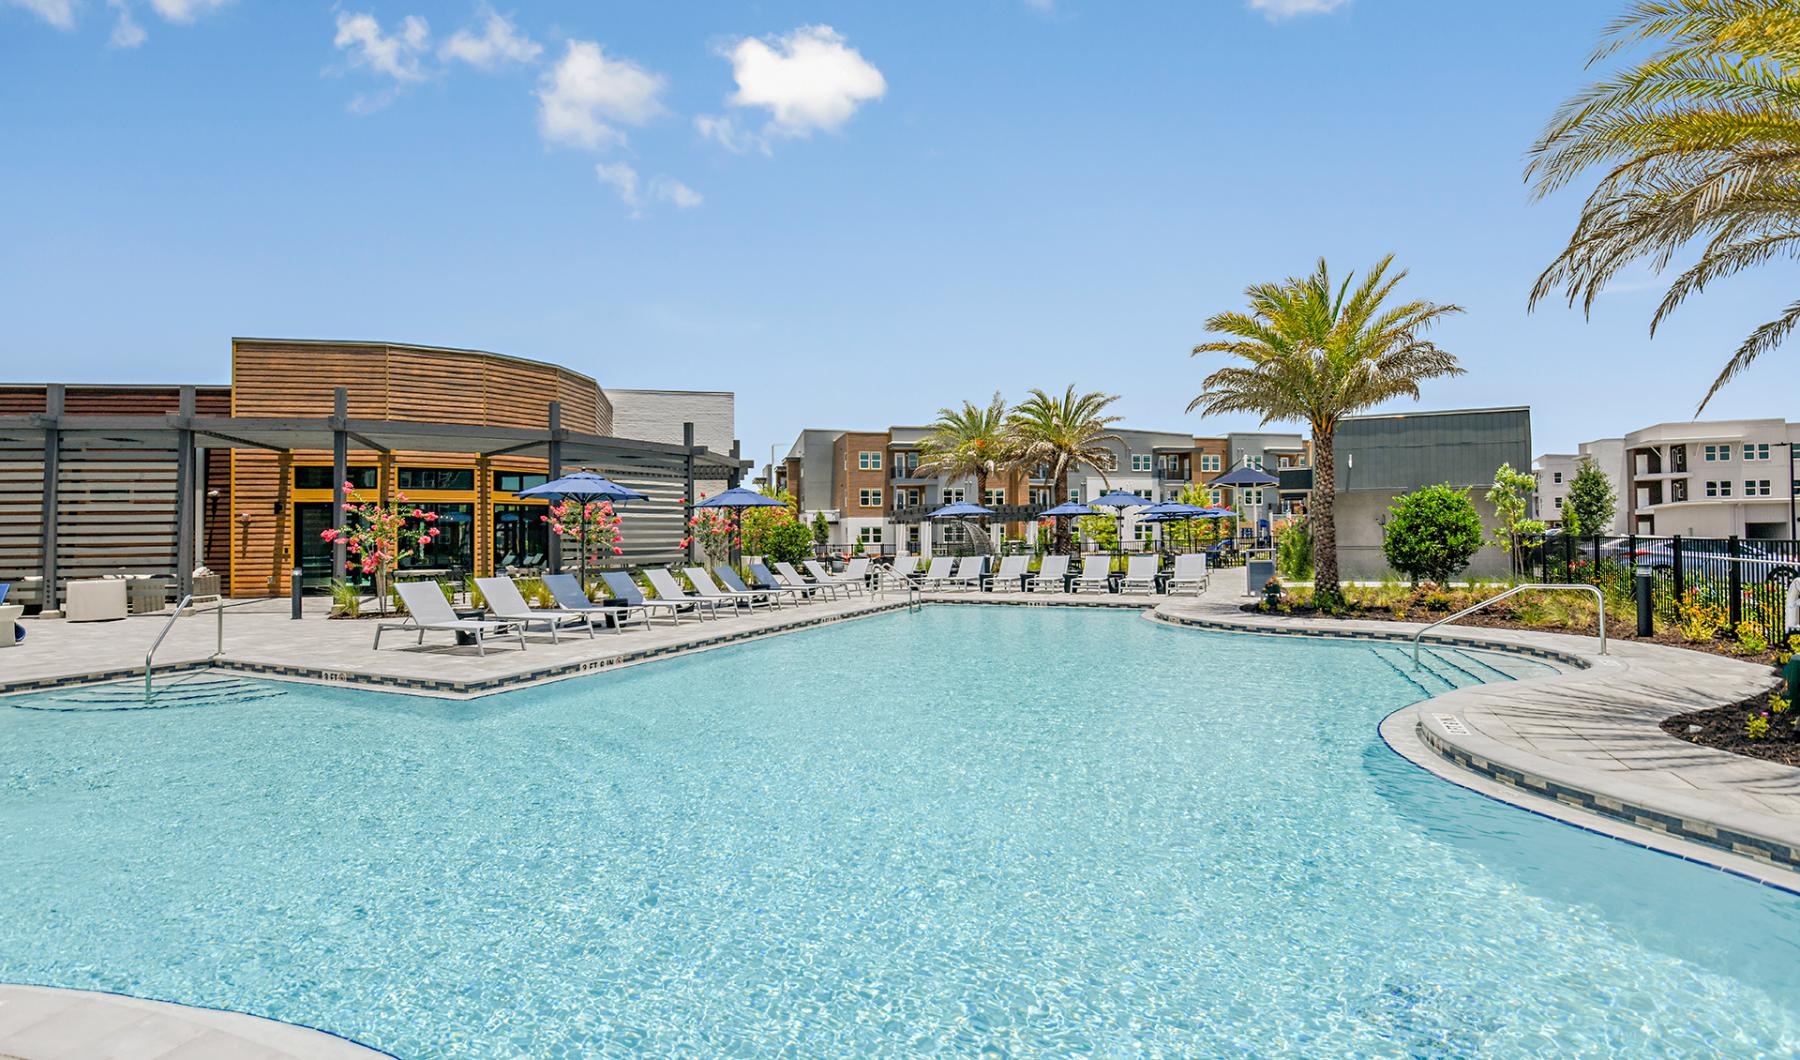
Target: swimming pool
(1018, 830)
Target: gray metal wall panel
(1406, 452)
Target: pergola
(338, 434)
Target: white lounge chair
(968, 572)
(768, 579)
(626, 591)
(428, 612)
(793, 579)
(942, 567)
(734, 582)
(667, 588)
(1007, 578)
(1140, 573)
(858, 569)
(1049, 576)
(705, 586)
(1095, 572)
(851, 586)
(507, 604)
(906, 567)
(1190, 569)
(566, 591)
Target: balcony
(1004, 513)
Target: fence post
(1596, 555)
(1675, 571)
(1568, 559)
(1734, 584)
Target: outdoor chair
(566, 591)
(858, 569)
(1049, 576)
(1007, 578)
(765, 579)
(1190, 569)
(507, 604)
(938, 573)
(429, 612)
(968, 572)
(705, 586)
(848, 584)
(793, 578)
(906, 567)
(730, 579)
(1096, 572)
(621, 585)
(1140, 573)
(667, 588)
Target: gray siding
(1408, 451)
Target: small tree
(821, 529)
(1102, 530)
(1511, 498)
(1432, 533)
(715, 530)
(376, 534)
(1591, 499)
(591, 528)
(1293, 550)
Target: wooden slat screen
(115, 505)
(21, 507)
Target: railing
(885, 579)
(150, 656)
(1599, 599)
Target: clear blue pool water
(970, 830)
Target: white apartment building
(1713, 479)
(1555, 471)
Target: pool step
(1440, 669)
(172, 690)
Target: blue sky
(848, 213)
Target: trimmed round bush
(1432, 533)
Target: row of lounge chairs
(510, 615)
(1014, 574)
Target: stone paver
(38, 1023)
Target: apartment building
(1712, 479)
(1555, 472)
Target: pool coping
(1452, 729)
(38, 1020)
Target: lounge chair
(765, 579)
(938, 573)
(968, 572)
(17, 633)
(566, 591)
(1049, 576)
(905, 566)
(429, 612)
(858, 569)
(507, 604)
(794, 579)
(729, 578)
(705, 586)
(621, 585)
(850, 585)
(1007, 579)
(1190, 569)
(1140, 573)
(1095, 574)
(667, 588)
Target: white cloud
(395, 55)
(186, 10)
(59, 13)
(725, 130)
(587, 91)
(1041, 5)
(498, 44)
(807, 80)
(126, 33)
(670, 190)
(1281, 10)
(623, 179)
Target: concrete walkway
(1587, 738)
(38, 1023)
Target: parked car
(1709, 558)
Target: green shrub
(1432, 533)
(346, 599)
(1293, 553)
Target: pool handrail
(1599, 599)
(150, 656)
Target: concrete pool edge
(58, 1021)
(1585, 745)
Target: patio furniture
(96, 600)
(906, 567)
(623, 587)
(1190, 569)
(731, 581)
(566, 591)
(508, 605)
(793, 578)
(1011, 575)
(1051, 576)
(705, 586)
(968, 572)
(1096, 573)
(667, 588)
(942, 567)
(765, 579)
(845, 581)
(1140, 572)
(428, 611)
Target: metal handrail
(885, 578)
(150, 656)
(1515, 590)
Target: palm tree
(970, 441)
(1060, 435)
(1318, 353)
(1700, 142)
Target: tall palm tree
(1061, 434)
(1318, 352)
(965, 442)
(1700, 142)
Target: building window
(1250, 496)
(909, 497)
(1075, 496)
(1715, 453)
(1718, 489)
(1144, 494)
(1209, 461)
(1557, 477)
(320, 478)
(1254, 461)
(1217, 496)
(1559, 504)
(906, 464)
(1141, 531)
(1040, 495)
(514, 481)
(868, 461)
(952, 533)
(912, 539)
(1679, 489)
(436, 478)
(953, 496)
(1759, 451)
(869, 498)
(869, 535)
(995, 498)
(1140, 461)
(1756, 487)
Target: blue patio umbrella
(1118, 501)
(959, 510)
(1066, 510)
(585, 487)
(737, 498)
(1239, 477)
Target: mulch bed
(1723, 728)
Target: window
(953, 496)
(1756, 487)
(1559, 501)
(869, 498)
(909, 497)
(514, 481)
(320, 478)
(1718, 489)
(1140, 461)
(1759, 451)
(1217, 496)
(1209, 461)
(1250, 495)
(912, 539)
(1557, 477)
(1040, 495)
(1075, 496)
(1254, 461)
(868, 461)
(952, 532)
(1144, 494)
(1141, 531)
(1714, 453)
(437, 478)
(995, 498)
(869, 535)
(906, 465)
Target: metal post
(340, 473)
(736, 474)
(1646, 625)
(1734, 583)
(184, 497)
(687, 441)
(553, 551)
(53, 410)
(294, 592)
(1677, 575)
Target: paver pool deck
(43, 1022)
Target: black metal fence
(1737, 580)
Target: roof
(235, 339)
